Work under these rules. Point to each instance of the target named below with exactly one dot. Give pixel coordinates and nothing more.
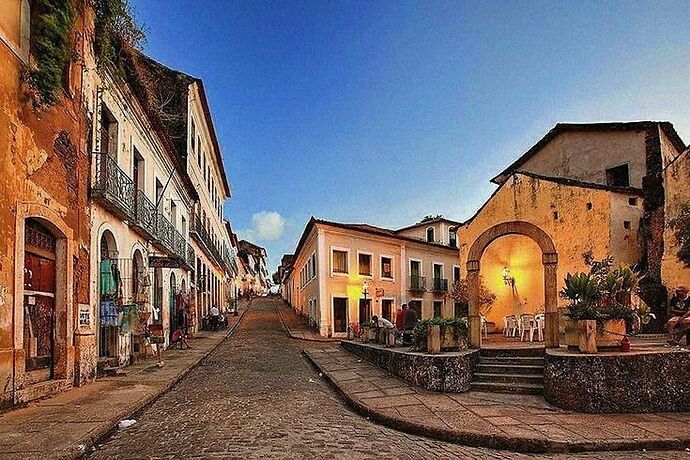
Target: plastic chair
(510, 326)
(539, 320)
(527, 326)
(485, 328)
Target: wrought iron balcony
(417, 283)
(440, 285)
(145, 219)
(197, 230)
(165, 233)
(191, 257)
(113, 188)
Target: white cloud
(266, 226)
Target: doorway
(172, 305)
(416, 305)
(387, 309)
(39, 301)
(339, 315)
(364, 311)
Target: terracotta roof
(666, 126)
(366, 228)
(562, 181)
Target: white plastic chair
(539, 320)
(510, 326)
(485, 328)
(527, 326)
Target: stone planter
(433, 338)
(610, 333)
(571, 334)
(450, 341)
(587, 335)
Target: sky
(386, 111)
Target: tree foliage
(115, 27)
(460, 292)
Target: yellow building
(334, 262)
(677, 187)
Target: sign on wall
(379, 292)
(85, 320)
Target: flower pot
(610, 333)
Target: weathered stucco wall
(586, 155)
(677, 185)
(577, 219)
(44, 171)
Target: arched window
(430, 235)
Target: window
(192, 137)
(387, 309)
(364, 264)
(460, 309)
(430, 236)
(108, 133)
(589, 206)
(339, 261)
(438, 306)
(632, 201)
(386, 267)
(453, 239)
(438, 271)
(618, 176)
(627, 224)
(456, 274)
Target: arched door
(39, 301)
(172, 304)
(110, 288)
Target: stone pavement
(67, 425)
(256, 397)
(517, 422)
(294, 325)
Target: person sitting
(381, 322)
(679, 323)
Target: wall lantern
(507, 279)
(365, 290)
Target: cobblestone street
(255, 396)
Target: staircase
(517, 370)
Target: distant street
(255, 396)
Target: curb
(289, 332)
(470, 439)
(105, 431)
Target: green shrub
(458, 325)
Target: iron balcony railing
(440, 285)
(113, 187)
(206, 242)
(191, 257)
(417, 283)
(145, 214)
(165, 233)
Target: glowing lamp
(507, 279)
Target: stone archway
(549, 259)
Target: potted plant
(582, 292)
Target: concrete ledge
(447, 372)
(634, 382)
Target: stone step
(537, 379)
(520, 388)
(511, 352)
(111, 372)
(520, 369)
(512, 360)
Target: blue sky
(383, 111)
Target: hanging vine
(50, 48)
(115, 27)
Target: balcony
(417, 283)
(145, 218)
(165, 233)
(204, 239)
(440, 285)
(191, 257)
(113, 188)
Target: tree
(460, 292)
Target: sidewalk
(520, 423)
(294, 326)
(68, 424)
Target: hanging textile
(108, 283)
(108, 313)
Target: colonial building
(675, 272)
(342, 274)
(47, 340)
(583, 187)
(257, 279)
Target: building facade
(46, 343)
(342, 274)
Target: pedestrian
(400, 317)
(215, 316)
(411, 319)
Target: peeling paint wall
(677, 184)
(577, 219)
(44, 171)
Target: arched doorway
(549, 260)
(110, 288)
(39, 301)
